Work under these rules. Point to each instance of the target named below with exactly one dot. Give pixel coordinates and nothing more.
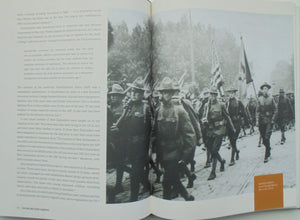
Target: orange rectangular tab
(268, 191)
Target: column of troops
(160, 130)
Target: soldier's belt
(218, 123)
(267, 113)
(235, 118)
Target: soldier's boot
(213, 170)
(118, 187)
(237, 155)
(190, 198)
(222, 167)
(207, 164)
(222, 161)
(191, 181)
(167, 191)
(134, 192)
(208, 159)
(184, 193)
(282, 138)
(182, 190)
(259, 142)
(267, 154)
(193, 162)
(232, 158)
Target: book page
(54, 70)
(233, 53)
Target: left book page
(54, 85)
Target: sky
(267, 38)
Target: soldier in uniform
(284, 113)
(135, 124)
(251, 108)
(116, 96)
(215, 114)
(174, 139)
(265, 116)
(236, 111)
(291, 96)
(205, 94)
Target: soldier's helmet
(265, 85)
(232, 90)
(213, 90)
(138, 84)
(205, 92)
(116, 90)
(168, 85)
(155, 94)
(281, 90)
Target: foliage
(129, 54)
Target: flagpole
(253, 85)
(240, 79)
(191, 48)
(254, 90)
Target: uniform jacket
(217, 116)
(284, 109)
(266, 110)
(173, 132)
(136, 127)
(236, 111)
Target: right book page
(237, 64)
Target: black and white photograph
(225, 82)
(199, 103)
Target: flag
(217, 77)
(244, 68)
(244, 73)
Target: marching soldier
(291, 96)
(188, 107)
(236, 111)
(265, 115)
(251, 108)
(204, 126)
(284, 113)
(116, 96)
(215, 114)
(174, 139)
(135, 124)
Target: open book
(121, 109)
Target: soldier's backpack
(193, 117)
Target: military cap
(138, 83)
(281, 90)
(155, 94)
(232, 90)
(213, 90)
(168, 85)
(265, 85)
(116, 90)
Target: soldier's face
(205, 95)
(231, 95)
(115, 99)
(166, 96)
(137, 95)
(213, 97)
(265, 90)
(281, 94)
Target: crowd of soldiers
(160, 130)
